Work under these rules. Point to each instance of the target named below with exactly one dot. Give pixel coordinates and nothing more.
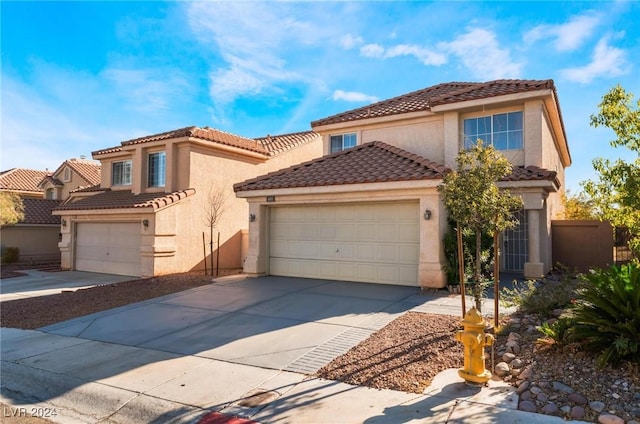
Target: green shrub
(556, 334)
(541, 297)
(10, 255)
(607, 314)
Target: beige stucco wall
(37, 243)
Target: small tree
(616, 194)
(214, 208)
(11, 208)
(474, 200)
(577, 206)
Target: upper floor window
(342, 142)
(503, 131)
(50, 193)
(121, 173)
(157, 167)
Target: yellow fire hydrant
(474, 339)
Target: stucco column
(533, 204)
(255, 261)
(430, 272)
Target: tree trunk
(477, 290)
(461, 270)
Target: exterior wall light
(427, 214)
(145, 222)
(64, 222)
(252, 217)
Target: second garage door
(376, 243)
(108, 247)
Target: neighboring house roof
(89, 189)
(89, 170)
(446, 93)
(38, 211)
(53, 181)
(20, 179)
(268, 146)
(368, 163)
(125, 199)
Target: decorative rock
(515, 372)
(544, 384)
(542, 397)
(513, 337)
(633, 422)
(526, 373)
(526, 396)
(577, 398)
(517, 363)
(561, 387)
(550, 409)
(597, 406)
(502, 369)
(557, 312)
(577, 412)
(634, 412)
(566, 409)
(524, 386)
(610, 419)
(513, 347)
(527, 406)
(535, 390)
(508, 357)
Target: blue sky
(82, 76)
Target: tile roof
(38, 211)
(53, 181)
(87, 169)
(124, 199)
(268, 146)
(368, 163)
(20, 179)
(446, 93)
(532, 173)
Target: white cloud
(482, 55)
(425, 56)
(350, 41)
(606, 61)
(568, 36)
(353, 96)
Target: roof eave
(324, 128)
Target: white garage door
(112, 248)
(376, 243)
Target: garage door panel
(357, 242)
(112, 248)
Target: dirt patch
(41, 311)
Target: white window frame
(124, 178)
(491, 131)
(347, 141)
(157, 178)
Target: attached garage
(368, 242)
(108, 247)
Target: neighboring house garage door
(376, 243)
(112, 248)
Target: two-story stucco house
(148, 215)
(369, 209)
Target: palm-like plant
(607, 314)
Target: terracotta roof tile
(268, 146)
(280, 143)
(20, 179)
(89, 189)
(38, 211)
(532, 173)
(425, 99)
(124, 199)
(53, 181)
(89, 170)
(368, 163)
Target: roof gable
(20, 179)
(368, 163)
(426, 98)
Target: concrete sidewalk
(241, 347)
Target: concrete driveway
(42, 283)
(241, 346)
